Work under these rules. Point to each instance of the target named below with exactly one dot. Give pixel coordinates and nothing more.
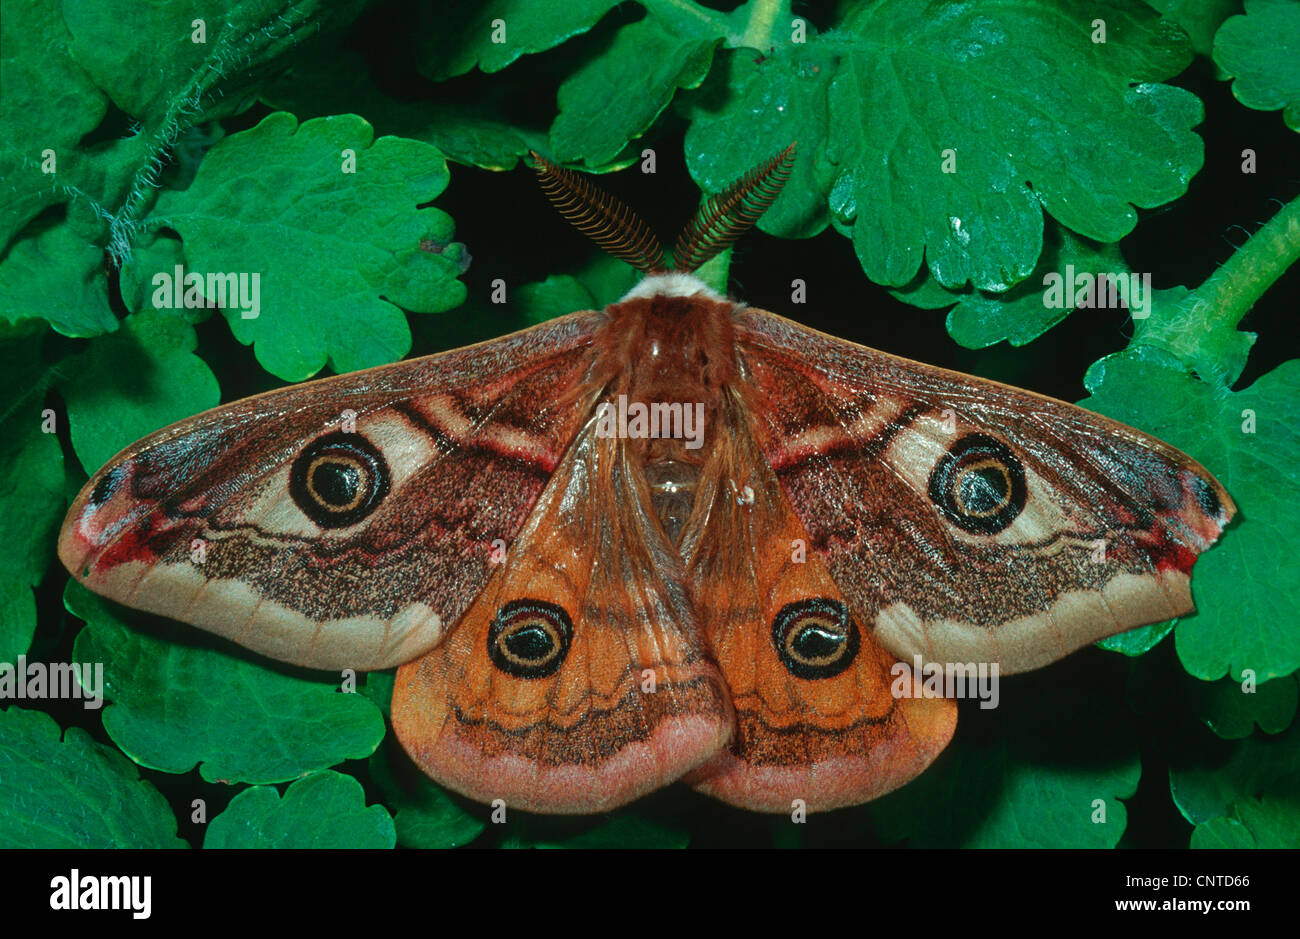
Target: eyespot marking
(979, 485)
(815, 638)
(529, 638)
(339, 479)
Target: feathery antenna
(729, 214)
(600, 216)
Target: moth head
(722, 219)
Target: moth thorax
(672, 491)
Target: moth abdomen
(673, 485)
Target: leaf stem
(1230, 292)
(233, 51)
(760, 30)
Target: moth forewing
(345, 522)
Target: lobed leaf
(1039, 770)
(31, 483)
(179, 698)
(1261, 52)
(1207, 782)
(324, 810)
(133, 382)
(337, 253)
(1271, 821)
(615, 97)
(1243, 588)
(63, 790)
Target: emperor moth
(584, 611)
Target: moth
(587, 602)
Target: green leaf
(337, 253)
(1244, 588)
(1138, 641)
(1206, 782)
(471, 134)
(1224, 832)
(133, 382)
(498, 32)
(324, 810)
(1160, 688)
(766, 106)
(1232, 712)
(156, 252)
(592, 287)
(180, 697)
(601, 283)
(31, 507)
(716, 271)
(986, 82)
(31, 483)
(17, 614)
(50, 103)
(1026, 311)
(214, 55)
(616, 96)
(110, 38)
(557, 295)
(1271, 821)
(609, 100)
(1027, 773)
(426, 816)
(628, 830)
(378, 687)
(607, 279)
(1200, 18)
(1261, 51)
(66, 791)
(58, 277)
